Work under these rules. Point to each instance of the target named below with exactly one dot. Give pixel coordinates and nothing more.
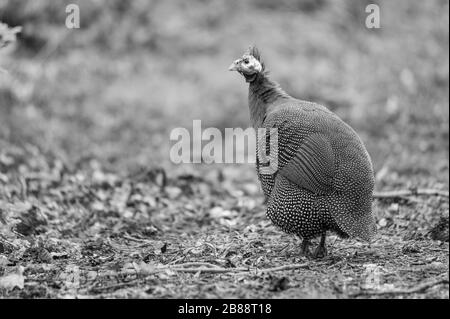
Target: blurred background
(86, 181)
(113, 89)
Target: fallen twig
(204, 268)
(209, 270)
(189, 264)
(411, 192)
(413, 290)
(238, 269)
(177, 260)
(139, 240)
(285, 267)
(113, 286)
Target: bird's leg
(305, 248)
(321, 250)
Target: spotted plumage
(324, 179)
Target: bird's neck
(264, 94)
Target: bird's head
(249, 65)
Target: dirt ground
(92, 207)
(95, 234)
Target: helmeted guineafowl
(324, 178)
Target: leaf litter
(85, 233)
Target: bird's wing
(305, 153)
(312, 166)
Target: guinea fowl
(324, 179)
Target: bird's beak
(234, 66)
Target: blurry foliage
(136, 69)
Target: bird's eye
(246, 61)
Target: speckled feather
(325, 177)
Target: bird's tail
(355, 220)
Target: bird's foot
(320, 252)
(305, 248)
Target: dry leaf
(13, 280)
